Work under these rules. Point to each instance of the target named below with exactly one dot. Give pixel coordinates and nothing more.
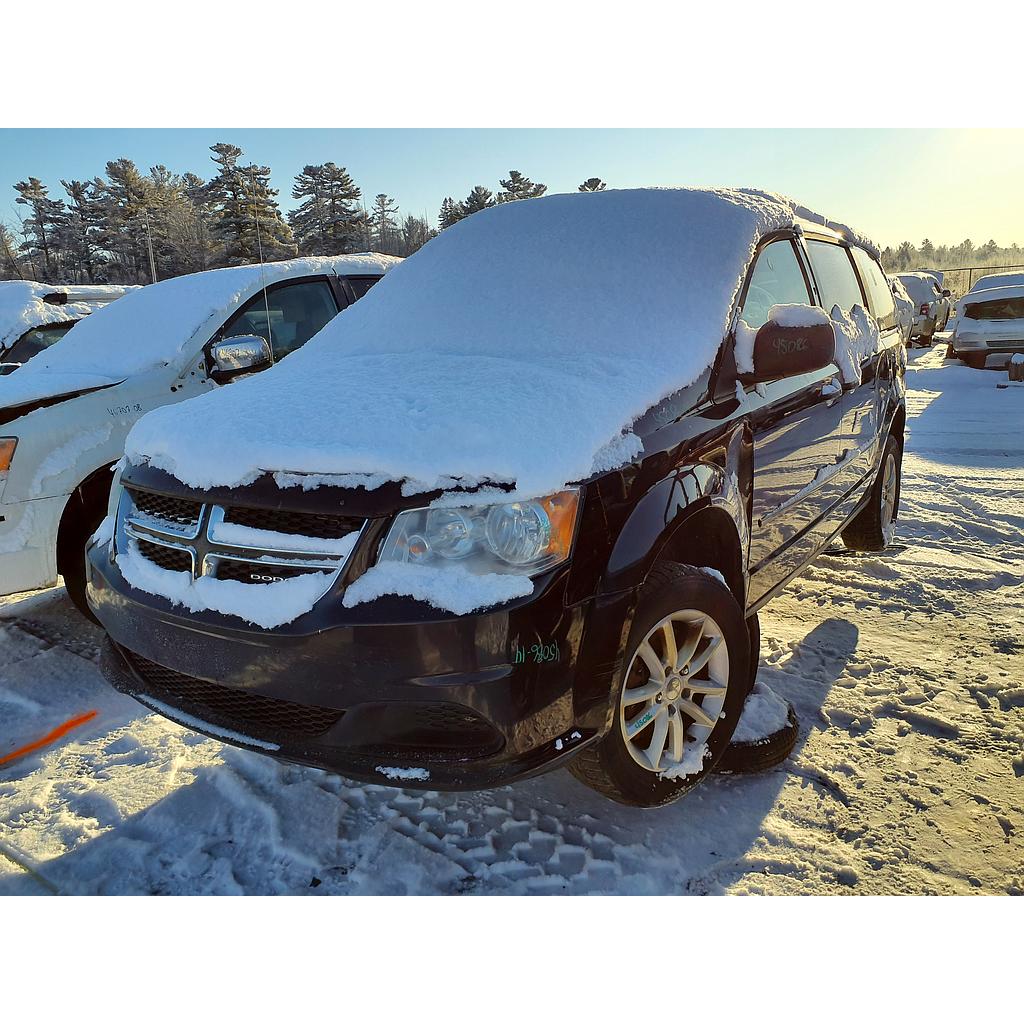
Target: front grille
(304, 524)
(167, 558)
(161, 506)
(243, 572)
(233, 709)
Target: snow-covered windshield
(154, 325)
(511, 348)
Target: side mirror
(804, 341)
(235, 357)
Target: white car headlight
(525, 537)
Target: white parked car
(989, 321)
(64, 416)
(904, 308)
(34, 316)
(932, 304)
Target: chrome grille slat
(165, 539)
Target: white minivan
(64, 415)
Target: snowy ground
(905, 669)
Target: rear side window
(775, 279)
(837, 283)
(880, 300)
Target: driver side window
(776, 279)
(287, 317)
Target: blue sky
(891, 184)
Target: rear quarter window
(881, 304)
(833, 271)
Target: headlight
(527, 537)
(7, 446)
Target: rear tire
(686, 611)
(873, 527)
(975, 360)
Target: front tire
(975, 360)
(685, 678)
(82, 518)
(873, 528)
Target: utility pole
(149, 246)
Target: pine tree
(518, 186)
(479, 199)
(10, 268)
(927, 250)
(47, 218)
(592, 185)
(384, 225)
(124, 199)
(451, 213)
(415, 233)
(247, 218)
(329, 220)
(84, 226)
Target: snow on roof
(154, 324)
(1009, 291)
(997, 281)
(23, 305)
(516, 347)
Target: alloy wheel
(674, 694)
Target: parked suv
(932, 302)
(34, 316)
(508, 514)
(64, 416)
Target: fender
(717, 476)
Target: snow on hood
(517, 347)
(153, 325)
(22, 306)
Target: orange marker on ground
(50, 737)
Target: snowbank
(153, 325)
(517, 347)
(22, 306)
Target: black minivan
(518, 508)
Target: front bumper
(28, 543)
(389, 692)
(968, 342)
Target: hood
(19, 397)
(153, 326)
(518, 347)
